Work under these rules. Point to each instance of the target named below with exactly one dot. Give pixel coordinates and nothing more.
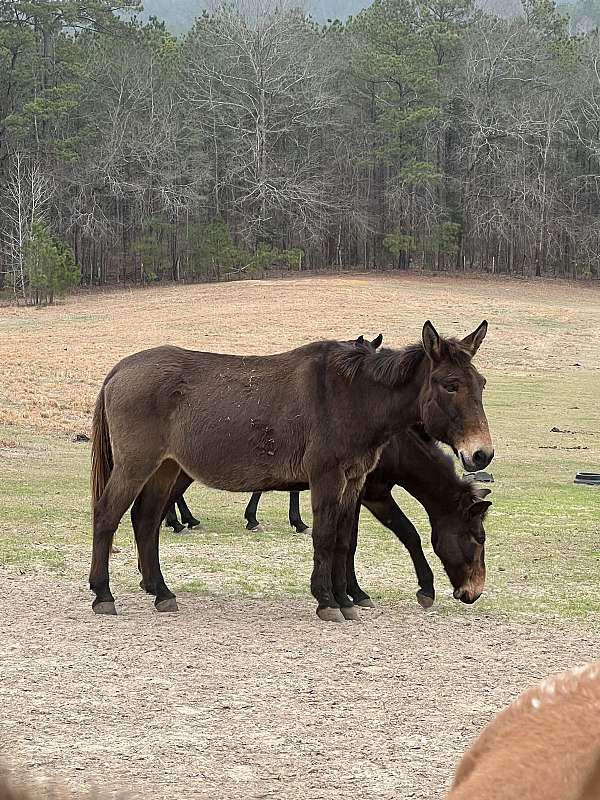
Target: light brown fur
(545, 746)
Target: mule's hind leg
(119, 493)
(181, 485)
(347, 523)
(171, 520)
(252, 524)
(146, 516)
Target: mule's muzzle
(478, 459)
(466, 596)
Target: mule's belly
(241, 466)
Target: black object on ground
(588, 478)
(483, 477)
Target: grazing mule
(545, 746)
(316, 415)
(456, 509)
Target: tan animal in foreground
(545, 746)
(17, 789)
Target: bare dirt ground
(251, 699)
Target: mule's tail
(102, 459)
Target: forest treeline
(421, 133)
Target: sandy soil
(250, 699)
(53, 360)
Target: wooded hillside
(417, 133)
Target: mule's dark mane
(390, 367)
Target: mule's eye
(451, 386)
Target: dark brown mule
(456, 509)
(545, 746)
(317, 415)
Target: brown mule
(317, 415)
(545, 746)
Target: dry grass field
(244, 694)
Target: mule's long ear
(377, 341)
(479, 508)
(360, 340)
(473, 341)
(431, 342)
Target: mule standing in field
(317, 415)
(545, 746)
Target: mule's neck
(428, 474)
(390, 410)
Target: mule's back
(233, 422)
(545, 746)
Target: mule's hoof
(106, 607)
(366, 602)
(307, 532)
(256, 529)
(114, 549)
(194, 525)
(169, 604)
(424, 600)
(142, 585)
(330, 614)
(350, 612)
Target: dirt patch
(250, 699)
(53, 360)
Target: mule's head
(458, 540)
(451, 405)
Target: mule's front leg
(385, 509)
(346, 534)
(326, 493)
(360, 597)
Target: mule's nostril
(481, 459)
